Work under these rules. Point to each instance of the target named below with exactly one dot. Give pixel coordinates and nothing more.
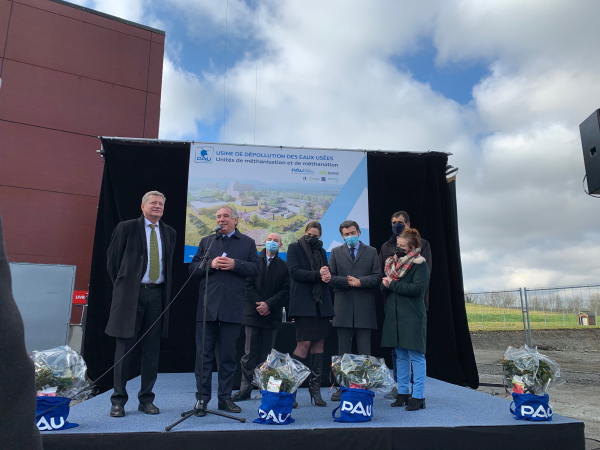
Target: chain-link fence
(563, 307)
(526, 309)
(494, 310)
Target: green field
(491, 318)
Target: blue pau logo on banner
(356, 405)
(531, 407)
(275, 408)
(204, 155)
(56, 417)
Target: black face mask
(400, 252)
(311, 240)
(398, 228)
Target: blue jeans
(404, 359)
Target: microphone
(217, 228)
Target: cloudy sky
(501, 84)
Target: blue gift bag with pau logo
(275, 408)
(531, 407)
(52, 412)
(356, 405)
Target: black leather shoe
(242, 394)
(414, 404)
(337, 395)
(229, 406)
(148, 408)
(401, 400)
(117, 411)
(201, 407)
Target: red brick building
(69, 74)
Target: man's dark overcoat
(127, 260)
(272, 286)
(226, 288)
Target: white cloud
(186, 100)
(133, 10)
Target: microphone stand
(187, 414)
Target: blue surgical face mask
(398, 228)
(271, 246)
(351, 240)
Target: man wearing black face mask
(401, 220)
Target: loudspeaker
(590, 141)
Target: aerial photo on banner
(275, 189)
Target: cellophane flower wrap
(526, 371)
(280, 373)
(62, 372)
(362, 372)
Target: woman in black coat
(310, 303)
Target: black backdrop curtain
(412, 182)
(416, 183)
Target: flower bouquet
(280, 373)
(362, 372)
(526, 371)
(278, 379)
(60, 371)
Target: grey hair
(147, 195)
(278, 235)
(234, 214)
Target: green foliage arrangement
(361, 371)
(528, 371)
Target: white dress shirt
(146, 277)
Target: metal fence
(526, 309)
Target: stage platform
(455, 418)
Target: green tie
(154, 262)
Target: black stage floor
(455, 418)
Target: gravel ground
(578, 353)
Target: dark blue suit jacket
(302, 280)
(226, 288)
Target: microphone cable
(132, 347)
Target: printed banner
(277, 190)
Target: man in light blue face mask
(355, 274)
(266, 296)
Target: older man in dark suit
(266, 295)
(232, 258)
(139, 262)
(355, 274)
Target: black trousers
(363, 340)
(259, 343)
(226, 334)
(150, 306)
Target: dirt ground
(578, 353)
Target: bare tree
(595, 303)
(574, 304)
(469, 297)
(507, 299)
(494, 299)
(553, 302)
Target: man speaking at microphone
(231, 259)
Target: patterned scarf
(396, 268)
